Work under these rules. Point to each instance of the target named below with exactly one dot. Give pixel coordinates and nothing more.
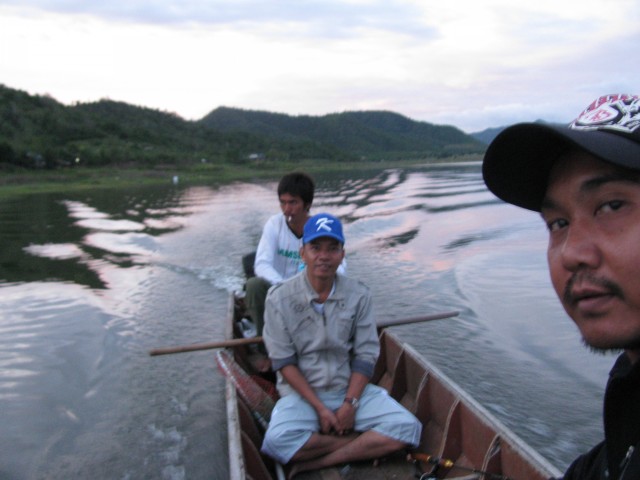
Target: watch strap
(353, 401)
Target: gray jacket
(326, 347)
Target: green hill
(372, 133)
(38, 131)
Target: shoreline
(16, 182)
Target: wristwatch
(353, 401)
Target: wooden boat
(460, 439)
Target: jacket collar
(338, 292)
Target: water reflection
(70, 238)
(60, 251)
(90, 281)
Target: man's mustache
(589, 279)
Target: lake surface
(90, 281)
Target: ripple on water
(138, 269)
(57, 251)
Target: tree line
(37, 131)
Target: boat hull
(455, 426)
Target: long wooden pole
(253, 340)
(424, 318)
(236, 342)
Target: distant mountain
(487, 135)
(370, 133)
(39, 131)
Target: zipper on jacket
(625, 462)
(325, 355)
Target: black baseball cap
(517, 163)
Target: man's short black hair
(298, 184)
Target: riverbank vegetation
(19, 181)
(45, 145)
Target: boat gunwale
(237, 467)
(526, 451)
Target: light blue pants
(294, 420)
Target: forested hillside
(38, 131)
(372, 133)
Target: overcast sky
(469, 63)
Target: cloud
(465, 63)
(321, 18)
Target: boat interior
(460, 440)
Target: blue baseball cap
(322, 225)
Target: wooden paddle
(206, 346)
(425, 318)
(252, 340)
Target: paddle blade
(258, 399)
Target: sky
(473, 64)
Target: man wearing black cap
(584, 179)
(322, 341)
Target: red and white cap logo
(619, 113)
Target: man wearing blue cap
(277, 257)
(584, 179)
(322, 341)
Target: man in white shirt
(278, 253)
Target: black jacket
(618, 456)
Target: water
(89, 282)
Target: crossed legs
(323, 451)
